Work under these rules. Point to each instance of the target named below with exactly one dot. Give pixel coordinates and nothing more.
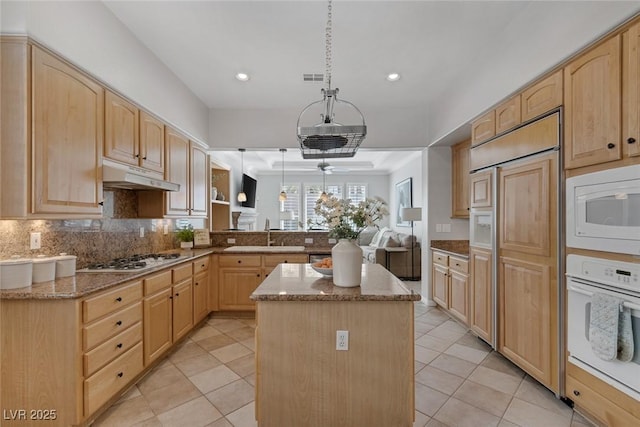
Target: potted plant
(185, 236)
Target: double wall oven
(603, 215)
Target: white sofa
(373, 243)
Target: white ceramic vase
(347, 264)
(214, 193)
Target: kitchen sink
(265, 249)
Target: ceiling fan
(328, 169)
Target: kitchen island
(301, 377)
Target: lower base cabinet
(450, 284)
(481, 293)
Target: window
(292, 204)
(357, 193)
(311, 195)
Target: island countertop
(299, 282)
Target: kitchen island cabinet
(302, 380)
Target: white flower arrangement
(345, 220)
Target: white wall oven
(603, 210)
(588, 276)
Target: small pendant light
(324, 196)
(283, 194)
(242, 197)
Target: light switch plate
(438, 228)
(35, 240)
(231, 240)
(332, 241)
(165, 229)
(141, 231)
(308, 240)
(446, 228)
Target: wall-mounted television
(249, 187)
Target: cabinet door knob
(257, 275)
(137, 156)
(631, 140)
(197, 283)
(119, 323)
(119, 299)
(144, 158)
(177, 294)
(611, 145)
(101, 203)
(120, 374)
(119, 345)
(576, 392)
(239, 261)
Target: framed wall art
(404, 199)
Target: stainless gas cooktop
(134, 263)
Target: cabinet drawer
(105, 383)
(104, 329)
(239, 261)
(182, 272)
(459, 265)
(200, 265)
(274, 260)
(440, 258)
(598, 406)
(109, 350)
(96, 307)
(157, 282)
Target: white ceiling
(455, 58)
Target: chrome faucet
(268, 230)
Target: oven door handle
(590, 294)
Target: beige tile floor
(209, 381)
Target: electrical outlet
(342, 340)
(165, 229)
(446, 228)
(231, 240)
(141, 231)
(308, 240)
(438, 228)
(35, 240)
(332, 241)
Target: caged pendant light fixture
(329, 138)
(242, 197)
(283, 194)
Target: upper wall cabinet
(132, 136)
(483, 128)
(199, 193)
(543, 96)
(631, 90)
(592, 98)
(52, 134)
(508, 114)
(460, 156)
(177, 170)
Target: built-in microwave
(603, 210)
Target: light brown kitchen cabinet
(592, 99)
(182, 308)
(449, 282)
(483, 128)
(631, 93)
(151, 142)
(177, 171)
(200, 297)
(481, 293)
(481, 190)
(199, 190)
(157, 324)
(508, 114)
(121, 133)
(542, 96)
(67, 139)
(270, 262)
(527, 272)
(239, 276)
(460, 155)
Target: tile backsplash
(94, 240)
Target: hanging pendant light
(330, 138)
(283, 194)
(324, 196)
(242, 197)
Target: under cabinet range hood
(116, 175)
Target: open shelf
(220, 209)
(220, 202)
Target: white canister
(44, 269)
(65, 265)
(15, 273)
(347, 264)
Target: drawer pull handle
(285, 261)
(197, 283)
(119, 299)
(257, 275)
(119, 323)
(144, 158)
(120, 374)
(611, 145)
(177, 294)
(631, 140)
(576, 392)
(119, 345)
(239, 261)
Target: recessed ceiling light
(392, 77)
(243, 77)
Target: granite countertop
(307, 250)
(83, 284)
(454, 247)
(299, 282)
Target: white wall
(91, 37)
(268, 205)
(412, 169)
